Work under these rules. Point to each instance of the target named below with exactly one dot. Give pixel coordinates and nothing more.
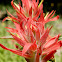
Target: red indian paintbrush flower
(30, 32)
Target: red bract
(30, 32)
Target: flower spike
(30, 32)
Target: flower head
(30, 32)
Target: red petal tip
(58, 16)
(60, 42)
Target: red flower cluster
(30, 33)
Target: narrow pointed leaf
(7, 37)
(15, 51)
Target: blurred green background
(49, 5)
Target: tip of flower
(60, 42)
(12, 2)
(2, 46)
(57, 16)
(4, 19)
